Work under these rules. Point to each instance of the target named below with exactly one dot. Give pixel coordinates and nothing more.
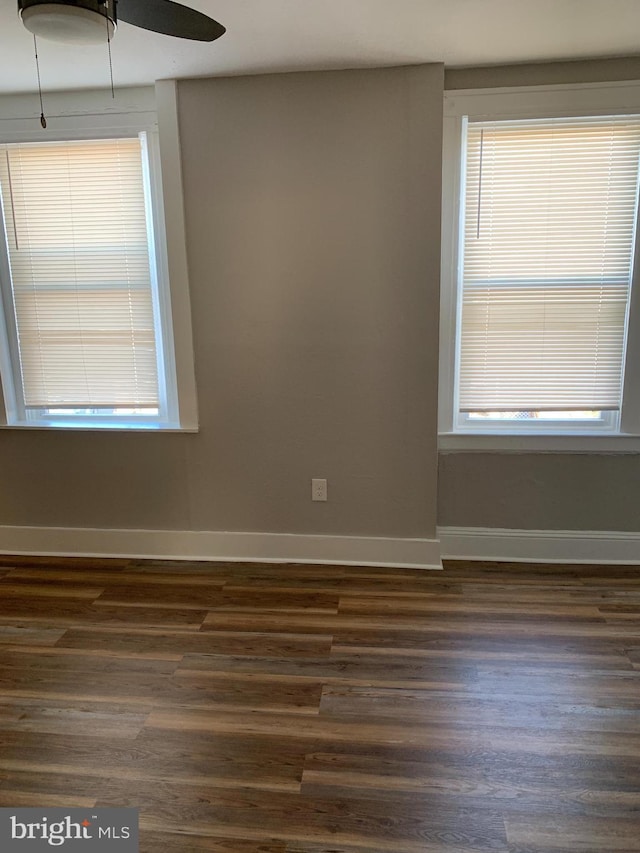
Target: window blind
(549, 224)
(76, 229)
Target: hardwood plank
(353, 669)
(598, 686)
(70, 611)
(179, 842)
(485, 608)
(114, 577)
(32, 663)
(47, 590)
(534, 712)
(59, 651)
(284, 645)
(187, 596)
(27, 799)
(57, 713)
(195, 690)
(70, 785)
(524, 656)
(29, 635)
(80, 564)
(340, 582)
(217, 598)
(466, 770)
(418, 630)
(468, 634)
(569, 834)
(447, 844)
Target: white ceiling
(283, 35)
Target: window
(542, 243)
(85, 331)
(550, 210)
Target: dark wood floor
(314, 709)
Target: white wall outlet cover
(318, 489)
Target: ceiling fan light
(71, 24)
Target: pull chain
(106, 17)
(43, 120)
(480, 183)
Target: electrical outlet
(318, 490)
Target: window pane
(76, 229)
(549, 224)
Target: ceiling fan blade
(172, 19)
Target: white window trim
(527, 102)
(177, 270)
(94, 114)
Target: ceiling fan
(95, 21)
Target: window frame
(167, 412)
(612, 434)
(93, 115)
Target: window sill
(451, 442)
(110, 428)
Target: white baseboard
(219, 545)
(534, 546)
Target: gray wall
(540, 491)
(544, 73)
(312, 206)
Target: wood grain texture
(313, 709)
